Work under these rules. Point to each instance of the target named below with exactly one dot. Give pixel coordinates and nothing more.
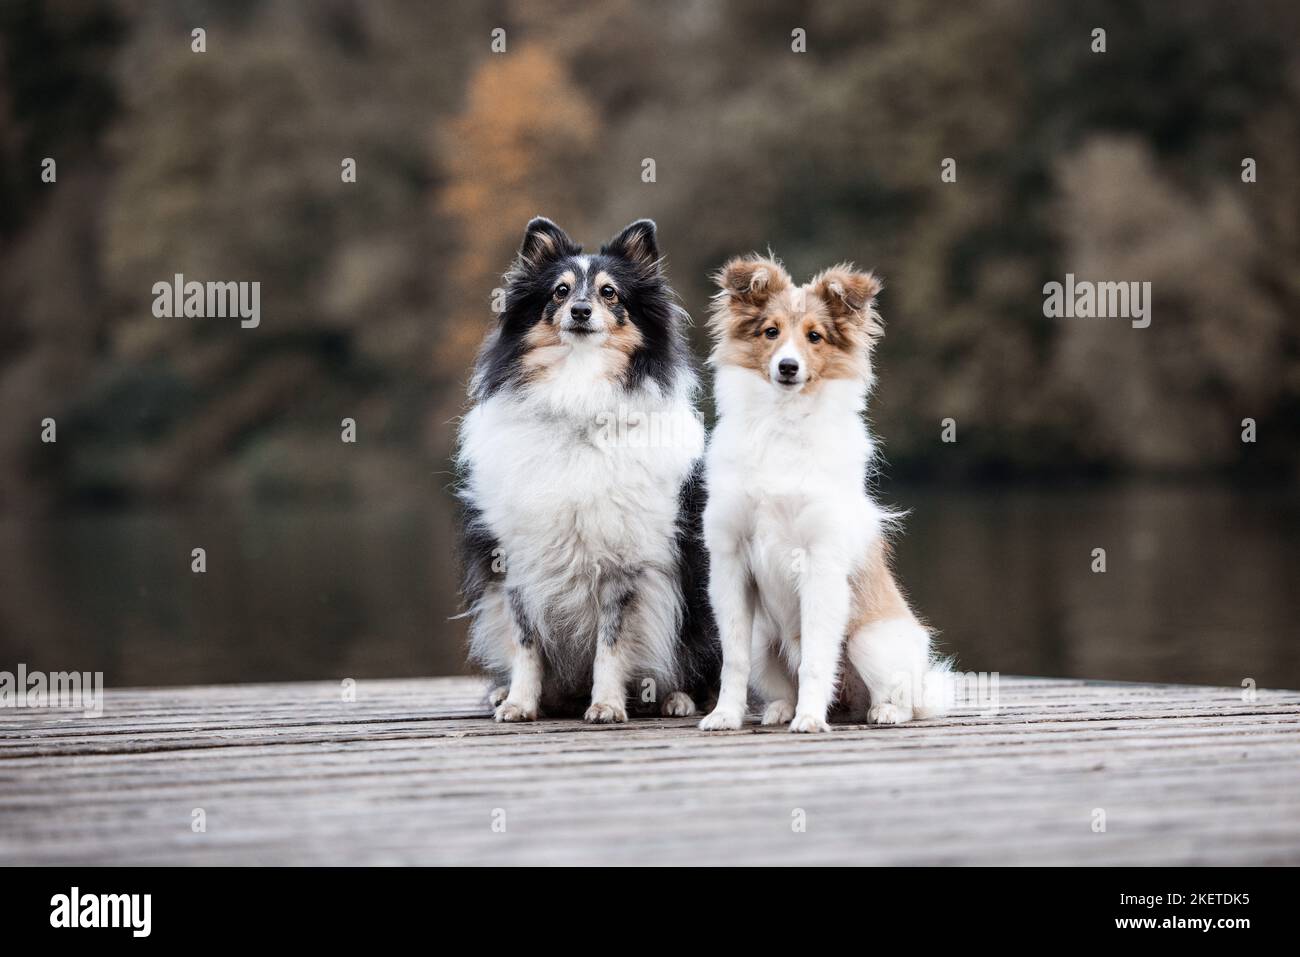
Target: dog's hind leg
(679, 704)
(492, 640)
(889, 648)
(771, 677)
(892, 658)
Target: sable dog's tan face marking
(797, 337)
(601, 320)
(580, 316)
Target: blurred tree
(510, 155)
(57, 99)
(376, 293)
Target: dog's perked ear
(545, 241)
(752, 280)
(637, 243)
(850, 296)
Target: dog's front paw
(888, 714)
(513, 711)
(720, 720)
(678, 705)
(605, 712)
(778, 712)
(497, 695)
(808, 724)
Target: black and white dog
(579, 471)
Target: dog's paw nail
(808, 724)
(509, 711)
(721, 721)
(678, 705)
(603, 713)
(888, 714)
(778, 712)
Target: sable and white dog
(799, 563)
(580, 484)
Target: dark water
(1202, 585)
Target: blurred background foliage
(328, 559)
(225, 165)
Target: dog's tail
(937, 692)
(896, 661)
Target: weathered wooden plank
(412, 771)
(452, 692)
(476, 755)
(1097, 701)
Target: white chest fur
(569, 491)
(786, 476)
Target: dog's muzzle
(787, 371)
(578, 320)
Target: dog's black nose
(788, 368)
(581, 311)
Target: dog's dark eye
(771, 332)
(609, 293)
(561, 290)
(814, 337)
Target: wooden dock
(413, 772)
